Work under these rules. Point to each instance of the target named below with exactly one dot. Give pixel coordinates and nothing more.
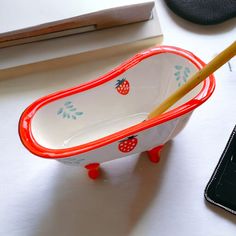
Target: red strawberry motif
(128, 144)
(122, 86)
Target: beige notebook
(40, 20)
(116, 40)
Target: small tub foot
(93, 170)
(154, 154)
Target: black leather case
(221, 189)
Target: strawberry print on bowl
(123, 86)
(128, 144)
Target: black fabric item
(204, 12)
(221, 189)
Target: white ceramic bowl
(103, 119)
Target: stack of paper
(98, 40)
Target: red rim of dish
(34, 147)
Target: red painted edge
(31, 144)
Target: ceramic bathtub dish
(105, 119)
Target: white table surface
(134, 197)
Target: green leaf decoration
(119, 82)
(78, 113)
(69, 111)
(60, 111)
(70, 106)
(187, 69)
(177, 67)
(185, 73)
(182, 74)
(67, 103)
